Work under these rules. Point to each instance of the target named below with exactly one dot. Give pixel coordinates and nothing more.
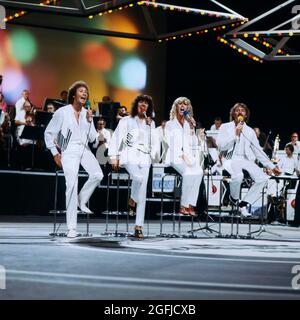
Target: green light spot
(23, 46)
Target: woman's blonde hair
(176, 103)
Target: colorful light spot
(97, 56)
(23, 46)
(125, 97)
(14, 82)
(133, 73)
(120, 23)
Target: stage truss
(252, 37)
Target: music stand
(43, 118)
(34, 134)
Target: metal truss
(278, 35)
(78, 8)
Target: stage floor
(38, 266)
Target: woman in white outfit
(133, 146)
(67, 136)
(181, 154)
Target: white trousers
(71, 159)
(191, 180)
(257, 175)
(139, 176)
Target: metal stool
(235, 217)
(170, 172)
(121, 175)
(56, 212)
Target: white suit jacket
(181, 140)
(227, 139)
(63, 122)
(132, 143)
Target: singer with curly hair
(181, 155)
(67, 136)
(239, 148)
(134, 145)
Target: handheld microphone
(145, 115)
(88, 104)
(241, 119)
(187, 116)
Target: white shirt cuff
(54, 151)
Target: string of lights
(200, 31)
(240, 50)
(21, 13)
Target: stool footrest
(115, 213)
(65, 211)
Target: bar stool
(122, 174)
(175, 188)
(235, 217)
(57, 212)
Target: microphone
(88, 104)
(145, 115)
(188, 118)
(241, 119)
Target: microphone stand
(209, 173)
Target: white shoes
(244, 212)
(84, 208)
(72, 233)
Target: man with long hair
(67, 136)
(133, 146)
(240, 148)
(181, 155)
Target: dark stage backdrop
(215, 77)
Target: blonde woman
(181, 154)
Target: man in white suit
(67, 136)
(239, 148)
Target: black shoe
(243, 204)
(233, 201)
(138, 233)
